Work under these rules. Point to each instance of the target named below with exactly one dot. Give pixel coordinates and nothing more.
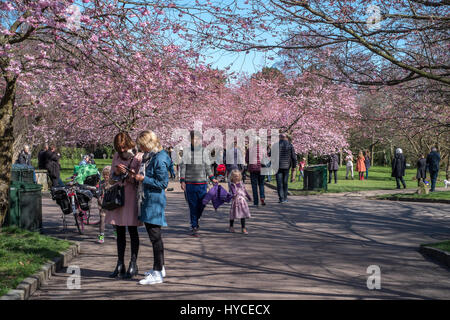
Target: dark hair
(123, 140)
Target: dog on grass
(446, 183)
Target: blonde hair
(236, 173)
(105, 170)
(149, 140)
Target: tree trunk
(447, 174)
(6, 145)
(372, 148)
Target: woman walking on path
(154, 179)
(127, 215)
(367, 162)
(360, 165)
(239, 207)
(421, 169)
(349, 165)
(398, 168)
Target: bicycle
(73, 198)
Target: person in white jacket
(349, 165)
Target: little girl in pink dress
(239, 206)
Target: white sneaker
(152, 278)
(163, 272)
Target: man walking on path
(234, 160)
(399, 167)
(433, 160)
(287, 159)
(253, 158)
(193, 173)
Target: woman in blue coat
(154, 179)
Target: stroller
(221, 170)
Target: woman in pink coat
(126, 216)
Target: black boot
(132, 270)
(119, 270)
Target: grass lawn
(438, 195)
(67, 166)
(445, 245)
(22, 253)
(379, 179)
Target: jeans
(329, 175)
(171, 172)
(194, 196)
(349, 169)
(301, 175)
(433, 178)
(367, 173)
(122, 242)
(257, 180)
(398, 180)
(282, 177)
(154, 233)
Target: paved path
(313, 247)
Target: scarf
(146, 158)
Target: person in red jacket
(360, 165)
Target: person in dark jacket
(253, 158)
(398, 168)
(333, 166)
(433, 160)
(42, 158)
(52, 166)
(421, 169)
(287, 159)
(24, 156)
(367, 162)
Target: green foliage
(72, 153)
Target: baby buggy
(221, 170)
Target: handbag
(115, 196)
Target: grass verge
(445, 245)
(23, 253)
(379, 179)
(432, 196)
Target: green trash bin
(22, 174)
(25, 206)
(315, 178)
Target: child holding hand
(104, 184)
(239, 206)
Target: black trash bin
(25, 206)
(315, 178)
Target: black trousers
(122, 242)
(398, 180)
(329, 175)
(154, 233)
